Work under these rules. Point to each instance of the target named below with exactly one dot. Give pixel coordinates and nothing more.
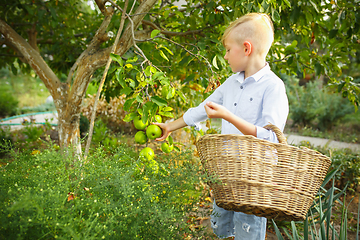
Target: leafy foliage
(314, 106)
(8, 103)
(44, 195)
(348, 163)
(62, 35)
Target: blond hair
(256, 28)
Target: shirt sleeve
(275, 111)
(193, 116)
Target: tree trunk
(68, 96)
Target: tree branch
(169, 33)
(33, 57)
(96, 41)
(32, 37)
(123, 16)
(101, 5)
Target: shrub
(113, 196)
(8, 104)
(315, 106)
(6, 141)
(348, 163)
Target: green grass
(46, 195)
(28, 89)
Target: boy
(246, 102)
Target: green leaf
(163, 55)
(120, 77)
(28, 9)
(167, 114)
(221, 59)
(139, 99)
(129, 117)
(165, 81)
(159, 101)
(306, 228)
(314, 5)
(318, 69)
(294, 230)
(53, 13)
(214, 63)
(148, 71)
(154, 33)
(128, 103)
(126, 91)
(166, 13)
(287, 3)
(132, 60)
(168, 50)
(277, 231)
(13, 69)
(167, 109)
(117, 58)
(333, 33)
(290, 49)
(341, 85)
(275, 16)
(182, 96)
(170, 139)
(158, 75)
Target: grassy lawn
(28, 89)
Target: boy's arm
(214, 110)
(169, 127)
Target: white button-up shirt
(259, 99)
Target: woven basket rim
(255, 139)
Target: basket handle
(279, 134)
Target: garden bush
(8, 104)
(116, 196)
(315, 106)
(348, 163)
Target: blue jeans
(243, 226)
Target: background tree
(166, 48)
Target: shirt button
(241, 87)
(235, 104)
(251, 99)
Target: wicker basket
(259, 177)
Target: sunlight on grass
(28, 89)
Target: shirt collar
(259, 74)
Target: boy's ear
(247, 48)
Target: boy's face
(235, 54)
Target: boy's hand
(214, 110)
(165, 131)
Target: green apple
(153, 131)
(138, 123)
(166, 148)
(147, 153)
(158, 118)
(140, 137)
